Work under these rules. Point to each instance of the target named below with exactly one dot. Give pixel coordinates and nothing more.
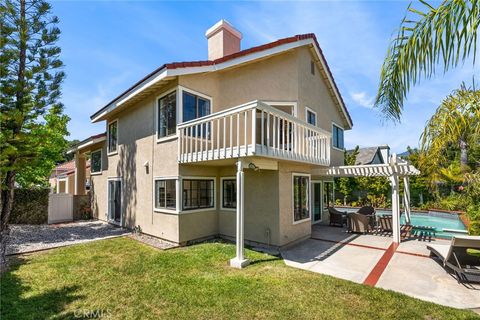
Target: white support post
(239, 261)
(395, 208)
(406, 199)
(395, 202)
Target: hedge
(30, 206)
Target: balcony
(252, 129)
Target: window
(300, 198)
(312, 67)
(337, 136)
(112, 136)
(229, 193)
(194, 106)
(165, 194)
(167, 117)
(198, 194)
(96, 161)
(311, 116)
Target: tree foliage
(347, 185)
(450, 134)
(443, 36)
(32, 123)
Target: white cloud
(362, 99)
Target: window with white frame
(96, 161)
(194, 106)
(167, 115)
(300, 197)
(311, 116)
(229, 193)
(198, 194)
(112, 136)
(165, 194)
(337, 137)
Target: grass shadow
(18, 301)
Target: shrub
(473, 213)
(30, 206)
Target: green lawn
(123, 279)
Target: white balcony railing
(252, 129)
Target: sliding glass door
(115, 201)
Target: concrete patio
(370, 259)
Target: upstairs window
(337, 137)
(311, 116)
(112, 136)
(96, 161)
(194, 106)
(167, 115)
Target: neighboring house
(62, 178)
(177, 139)
(372, 155)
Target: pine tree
(31, 116)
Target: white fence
(60, 207)
(251, 129)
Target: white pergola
(395, 169)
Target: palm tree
(455, 125)
(443, 36)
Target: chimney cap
(223, 24)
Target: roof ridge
(201, 63)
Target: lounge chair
(337, 217)
(385, 223)
(366, 210)
(466, 266)
(359, 223)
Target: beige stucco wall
(314, 94)
(261, 207)
(268, 211)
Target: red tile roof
(186, 64)
(66, 166)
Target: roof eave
(178, 69)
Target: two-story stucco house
(180, 140)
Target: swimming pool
(442, 222)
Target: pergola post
(406, 199)
(395, 201)
(239, 261)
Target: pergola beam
(394, 169)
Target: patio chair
(455, 256)
(385, 223)
(367, 210)
(359, 223)
(337, 218)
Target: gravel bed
(26, 238)
(152, 241)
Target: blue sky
(109, 45)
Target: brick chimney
(223, 39)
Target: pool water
(434, 219)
